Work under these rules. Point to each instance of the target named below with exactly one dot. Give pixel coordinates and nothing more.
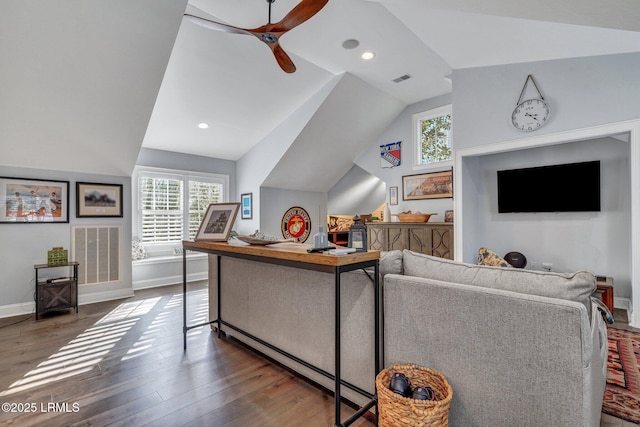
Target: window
(432, 130)
(171, 204)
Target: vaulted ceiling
(83, 85)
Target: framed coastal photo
(393, 196)
(246, 201)
(95, 200)
(33, 201)
(218, 221)
(434, 185)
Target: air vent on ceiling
(402, 78)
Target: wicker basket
(413, 217)
(395, 410)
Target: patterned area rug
(622, 393)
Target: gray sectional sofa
(519, 347)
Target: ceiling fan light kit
(270, 33)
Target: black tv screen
(573, 187)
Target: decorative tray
(256, 241)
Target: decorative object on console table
(34, 201)
(55, 294)
(358, 235)
(434, 185)
(98, 200)
(217, 222)
(604, 288)
(448, 215)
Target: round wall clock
(296, 224)
(530, 114)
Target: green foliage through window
(435, 139)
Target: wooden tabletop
(284, 251)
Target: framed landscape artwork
(33, 201)
(218, 221)
(98, 200)
(434, 185)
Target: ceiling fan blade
(283, 59)
(299, 14)
(212, 25)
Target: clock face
(530, 115)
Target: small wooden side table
(605, 291)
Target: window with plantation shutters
(171, 204)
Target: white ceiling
(83, 85)
(233, 83)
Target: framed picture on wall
(218, 221)
(246, 201)
(434, 185)
(393, 196)
(33, 201)
(98, 200)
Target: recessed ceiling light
(203, 126)
(367, 55)
(350, 44)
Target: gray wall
(24, 245)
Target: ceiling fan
(270, 33)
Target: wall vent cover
(97, 250)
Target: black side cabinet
(56, 293)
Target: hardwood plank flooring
(121, 363)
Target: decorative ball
(516, 259)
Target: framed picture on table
(218, 221)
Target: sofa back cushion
(390, 262)
(577, 286)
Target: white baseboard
(104, 296)
(171, 280)
(624, 304)
(19, 309)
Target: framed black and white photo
(33, 201)
(393, 196)
(246, 201)
(95, 200)
(218, 221)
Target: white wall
(24, 245)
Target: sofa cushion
(390, 262)
(577, 286)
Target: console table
(430, 238)
(296, 256)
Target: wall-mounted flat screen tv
(573, 187)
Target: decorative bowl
(414, 217)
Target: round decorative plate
(296, 224)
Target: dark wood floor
(121, 363)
